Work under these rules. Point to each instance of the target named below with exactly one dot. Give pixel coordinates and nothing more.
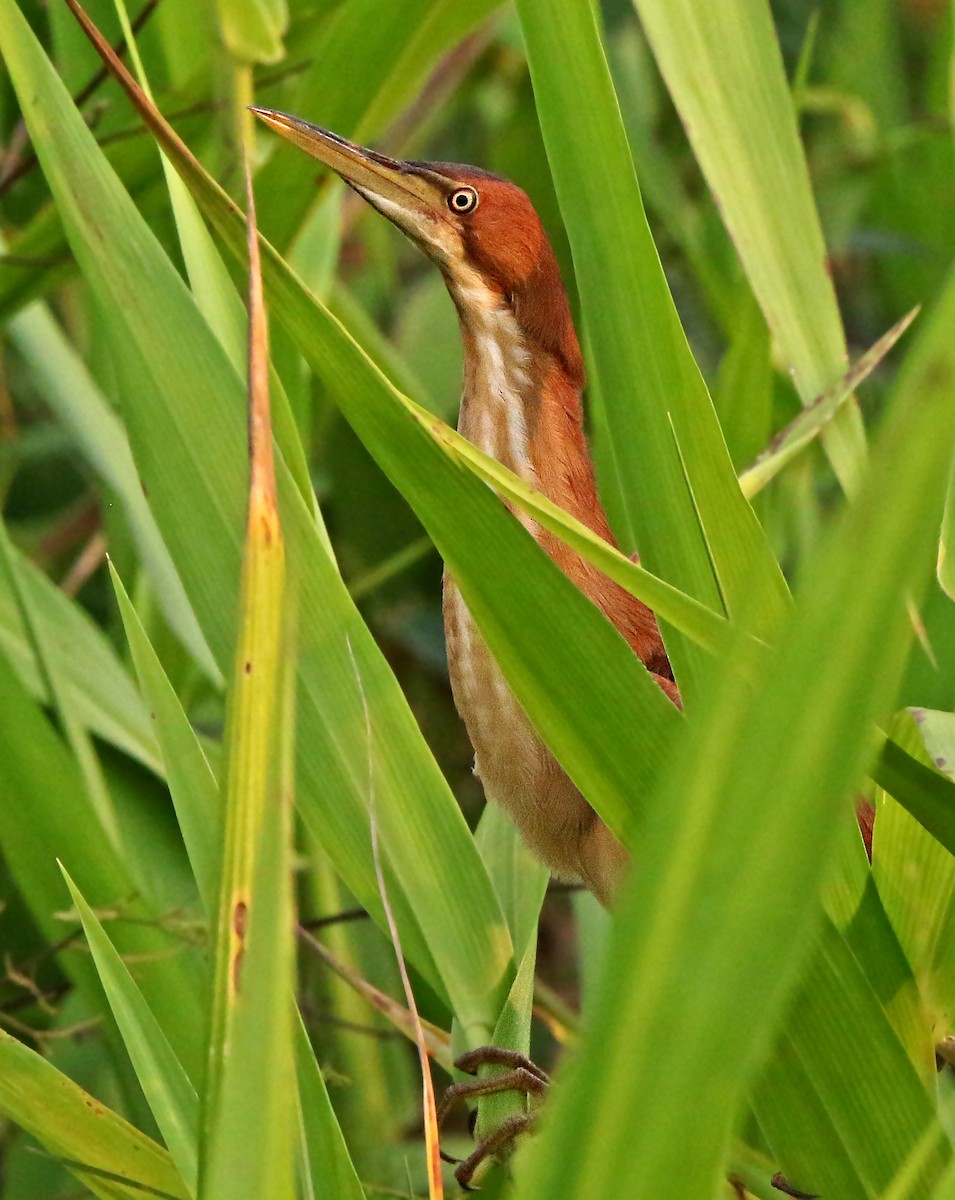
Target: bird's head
(481, 231)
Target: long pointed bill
(375, 176)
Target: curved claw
(488, 1147)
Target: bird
(521, 404)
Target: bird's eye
(463, 200)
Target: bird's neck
(520, 403)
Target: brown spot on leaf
(240, 918)
(248, 668)
(237, 968)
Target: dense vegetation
(745, 202)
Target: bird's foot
(519, 1075)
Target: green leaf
(722, 65)
(727, 897)
(928, 796)
(169, 1092)
(661, 426)
(818, 413)
(107, 1154)
(946, 548)
(839, 1101)
(512, 1032)
(249, 1107)
(45, 815)
(696, 621)
(253, 29)
(71, 392)
(520, 881)
(916, 875)
(192, 784)
(743, 393)
(98, 689)
(329, 1165)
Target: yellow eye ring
(463, 200)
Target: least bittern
(520, 403)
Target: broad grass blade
(97, 687)
(192, 783)
(946, 546)
(170, 1093)
(71, 392)
(916, 875)
(834, 1130)
(727, 899)
(45, 815)
(249, 1103)
(253, 29)
(330, 1168)
(660, 419)
(722, 64)
(107, 1154)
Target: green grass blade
(329, 1164)
(168, 1090)
(71, 392)
(834, 1127)
(98, 689)
(853, 902)
(800, 731)
(512, 1032)
(916, 875)
(107, 1154)
(743, 391)
(815, 418)
(253, 29)
(249, 1102)
(700, 624)
(659, 415)
(925, 794)
(74, 733)
(946, 547)
(192, 783)
(519, 879)
(723, 67)
(45, 816)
